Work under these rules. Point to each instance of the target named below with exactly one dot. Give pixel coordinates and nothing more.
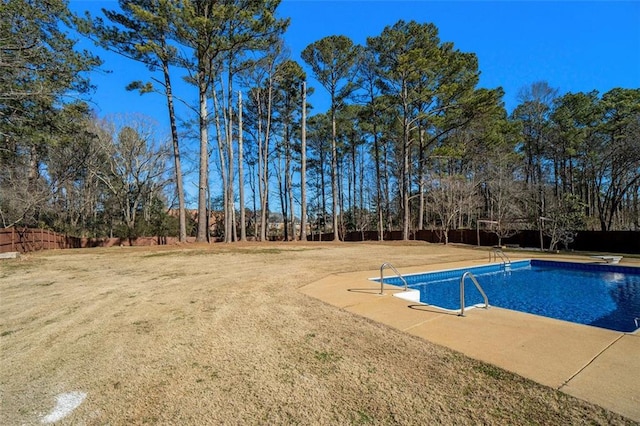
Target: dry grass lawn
(219, 334)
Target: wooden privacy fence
(24, 240)
(600, 241)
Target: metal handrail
(496, 252)
(473, 279)
(389, 265)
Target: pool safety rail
(498, 253)
(475, 282)
(390, 266)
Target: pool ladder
(475, 282)
(498, 253)
(390, 266)
(465, 275)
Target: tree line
(409, 141)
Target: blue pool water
(605, 296)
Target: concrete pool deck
(597, 365)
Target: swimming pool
(604, 296)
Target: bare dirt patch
(218, 334)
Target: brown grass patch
(218, 335)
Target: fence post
(13, 239)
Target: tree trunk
(334, 171)
(203, 232)
(289, 184)
(405, 172)
(223, 165)
(354, 179)
(323, 191)
(303, 167)
(230, 224)
(362, 216)
(387, 189)
(263, 143)
(421, 176)
(379, 209)
(282, 189)
(243, 221)
(182, 235)
(261, 165)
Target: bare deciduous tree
(136, 168)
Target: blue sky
(574, 46)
